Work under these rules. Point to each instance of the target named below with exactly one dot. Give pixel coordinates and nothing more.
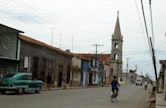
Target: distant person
(48, 81)
(146, 84)
(64, 82)
(153, 97)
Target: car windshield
(9, 75)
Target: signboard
(8, 44)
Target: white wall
(76, 62)
(107, 74)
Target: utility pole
(127, 69)
(96, 46)
(154, 64)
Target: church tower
(116, 51)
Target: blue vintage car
(20, 83)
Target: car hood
(6, 79)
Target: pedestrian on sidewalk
(48, 81)
(64, 82)
(153, 97)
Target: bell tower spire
(117, 31)
(116, 51)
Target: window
(116, 45)
(112, 71)
(115, 56)
(26, 62)
(23, 77)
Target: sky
(78, 24)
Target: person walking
(64, 82)
(145, 84)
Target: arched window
(115, 56)
(112, 71)
(116, 46)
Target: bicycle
(114, 96)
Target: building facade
(40, 59)
(9, 50)
(84, 72)
(76, 71)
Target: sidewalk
(160, 102)
(80, 87)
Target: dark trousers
(113, 89)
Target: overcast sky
(91, 22)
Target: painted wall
(76, 71)
(107, 74)
(42, 60)
(84, 73)
(8, 50)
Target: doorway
(60, 75)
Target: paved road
(130, 97)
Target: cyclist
(115, 84)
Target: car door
(31, 83)
(22, 82)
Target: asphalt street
(130, 96)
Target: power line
(151, 45)
(150, 8)
(146, 29)
(140, 21)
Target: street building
(24, 54)
(162, 78)
(40, 59)
(84, 71)
(76, 71)
(99, 70)
(9, 50)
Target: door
(60, 76)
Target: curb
(59, 88)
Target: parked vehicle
(139, 81)
(20, 83)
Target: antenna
(52, 30)
(60, 40)
(72, 43)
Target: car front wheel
(20, 91)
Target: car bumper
(8, 88)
